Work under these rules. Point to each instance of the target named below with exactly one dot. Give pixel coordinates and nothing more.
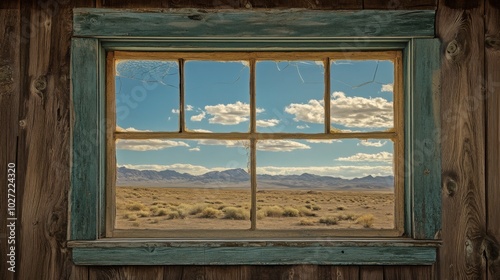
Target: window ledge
(117, 251)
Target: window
(197, 113)
(219, 147)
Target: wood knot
(452, 50)
(22, 123)
(248, 5)
(427, 171)
(39, 85)
(451, 186)
(492, 42)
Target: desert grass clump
(233, 213)
(210, 213)
(141, 214)
(289, 211)
(161, 212)
(306, 222)
(316, 207)
(197, 209)
(329, 221)
(365, 220)
(341, 207)
(130, 216)
(272, 211)
(135, 206)
(306, 212)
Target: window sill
(120, 251)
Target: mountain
(240, 178)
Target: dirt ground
(198, 208)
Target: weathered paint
(280, 24)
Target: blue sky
(289, 98)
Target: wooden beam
(492, 76)
(188, 23)
(463, 138)
(10, 91)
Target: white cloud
(199, 117)
(343, 171)
(312, 112)
(175, 111)
(387, 88)
(369, 143)
(130, 129)
(229, 114)
(347, 111)
(227, 143)
(325, 141)
(302, 126)
(202, 130)
(189, 108)
(148, 144)
(378, 157)
(267, 123)
(196, 149)
(361, 112)
(281, 146)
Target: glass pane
(217, 96)
(179, 184)
(147, 95)
(362, 95)
(289, 96)
(336, 184)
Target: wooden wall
(35, 122)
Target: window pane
(147, 95)
(362, 95)
(328, 184)
(217, 96)
(179, 184)
(289, 96)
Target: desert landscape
(229, 208)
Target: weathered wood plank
(133, 4)
(492, 75)
(399, 4)
(307, 4)
(409, 272)
(371, 273)
(278, 23)
(260, 255)
(219, 4)
(463, 138)
(85, 140)
(10, 88)
(426, 159)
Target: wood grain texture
(426, 152)
(43, 159)
(257, 255)
(133, 4)
(192, 23)
(492, 76)
(10, 88)
(371, 273)
(409, 272)
(399, 4)
(463, 138)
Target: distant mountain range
(240, 178)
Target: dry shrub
(316, 207)
(162, 212)
(341, 207)
(306, 212)
(135, 206)
(306, 222)
(329, 221)
(365, 220)
(234, 213)
(197, 209)
(346, 217)
(209, 213)
(272, 211)
(130, 216)
(143, 214)
(289, 211)
(135, 224)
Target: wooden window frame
(97, 31)
(396, 134)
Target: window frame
(99, 30)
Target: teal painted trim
(102, 138)
(426, 160)
(255, 45)
(407, 79)
(85, 141)
(237, 23)
(255, 256)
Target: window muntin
(248, 64)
